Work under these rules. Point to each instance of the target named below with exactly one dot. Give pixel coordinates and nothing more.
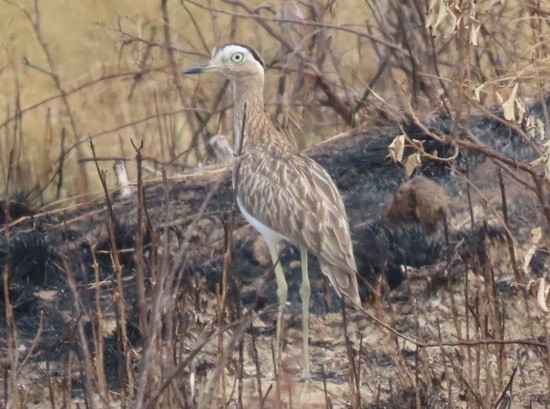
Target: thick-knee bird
(281, 192)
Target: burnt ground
(458, 289)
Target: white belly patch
(271, 236)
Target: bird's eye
(237, 57)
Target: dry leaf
(418, 143)
(500, 100)
(542, 295)
(536, 236)
(492, 3)
(509, 106)
(412, 162)
(521, 111)
(443, 11)
(437, 11)
(535, 127)
(477, 92)
(544, 160)
(396, 149)
(474, 31)
(472, 23)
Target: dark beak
(197, 69)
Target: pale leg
(282, 291)
(304, 294)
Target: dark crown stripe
(252, 51)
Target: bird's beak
(205, 66)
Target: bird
(281, 192)
(126, 190)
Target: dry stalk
(328, 402)
(11, 382)
(53, 72)
(467, 279)
(138, 251)
(448, 376)
(333, 99)
(118, 297)
(60, 162)
(170, 356)
(202, 340)
(254, 353)
(67, 381)
(173, 64)
(160, 302)
(32, 348)
(84, 353)
(355, 380)
(51, 394)
(251, 13)
(240, 370)
(99, 359)
(473, 392)
(458, 342)
(228, 253)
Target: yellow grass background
(82, 49)
(88, 41)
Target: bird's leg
(282, 290)
(304, 294)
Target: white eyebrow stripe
(234, 47)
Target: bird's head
(233, 61)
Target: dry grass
(80, 72)
(114, 64)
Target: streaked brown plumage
(284, 194)
(294, 196)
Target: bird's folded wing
(293, 195)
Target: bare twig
(140, 279)
(119, 296)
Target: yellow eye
(237, 58)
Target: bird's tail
(344, 282)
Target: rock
(419, 200)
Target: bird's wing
(294, 195)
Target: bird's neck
(248, 95)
